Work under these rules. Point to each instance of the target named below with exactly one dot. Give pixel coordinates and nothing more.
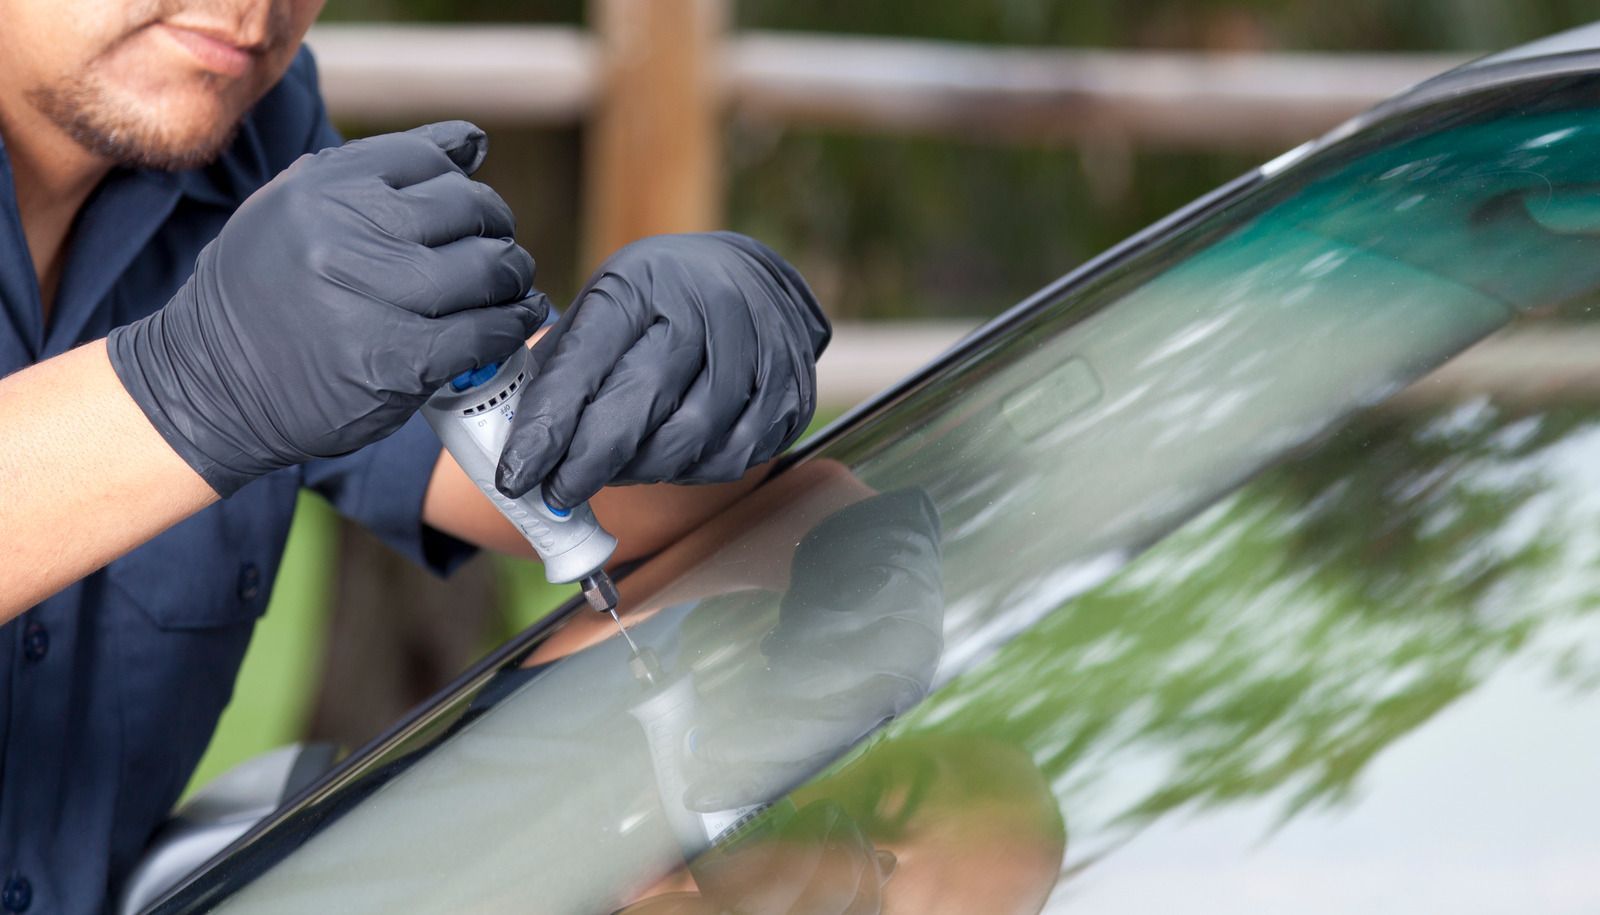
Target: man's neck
(53, 176)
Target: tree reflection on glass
(1275, 645)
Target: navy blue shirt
(110, 690)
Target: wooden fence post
(653, 149)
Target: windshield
(1261, 340)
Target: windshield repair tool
(472, 416)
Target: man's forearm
(644, 519)
(648, 518)
(84, 477)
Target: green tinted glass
(1366, 681)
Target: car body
(1254, 565)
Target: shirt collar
(117, 220)
(211, 184)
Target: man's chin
(174, 154)
(162, 152)
(180, 130)
(143, 135)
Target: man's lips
(212, 52)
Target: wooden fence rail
(552, 75)
(413, 74)
(1251, 102)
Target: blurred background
(926, 165)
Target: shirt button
(249, 581)
(35, 641)
(17, 895)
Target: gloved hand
(333, 303)
(858, 640)
(686, 358)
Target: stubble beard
(85, 109)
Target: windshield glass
(1230, 664)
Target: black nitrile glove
(686, 358)
(858, 641)
(333, 303)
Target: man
(196, 320)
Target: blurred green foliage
(1278, 643)
(1355, 25)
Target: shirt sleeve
(382, 487)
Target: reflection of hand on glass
(817, 862)
(765, 526)
(954, 823)
(970, 820)
(858, 639)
